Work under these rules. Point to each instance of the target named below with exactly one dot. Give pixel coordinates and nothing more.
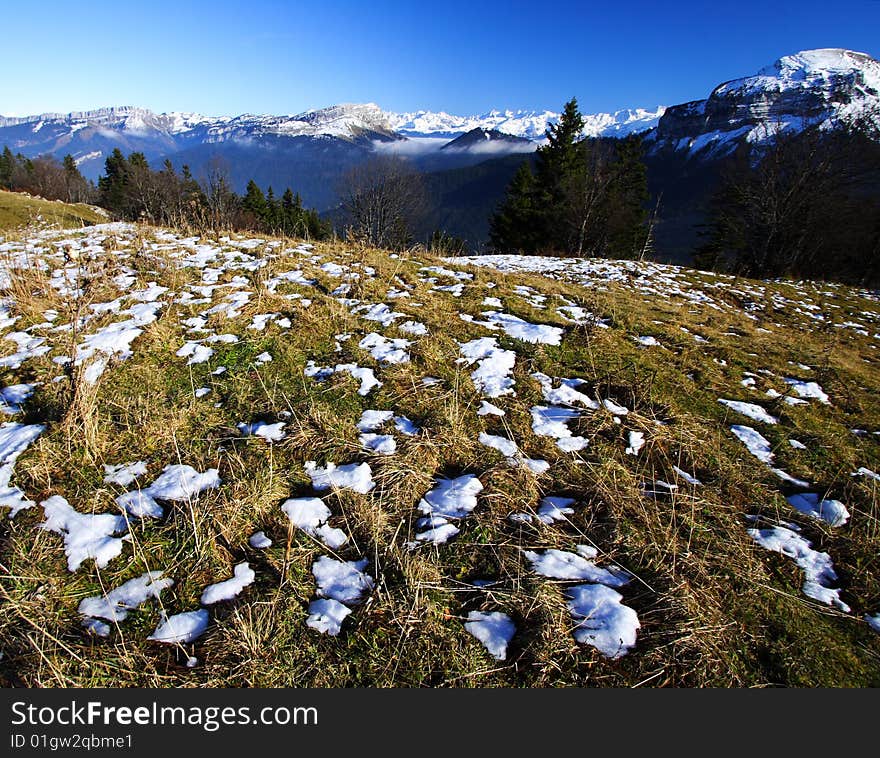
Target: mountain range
(468, 158)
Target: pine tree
(559, 157)
(627, 200)
(7, 168)
(273, 212)
(291, 214)
(254, 202)
(112, 185)
(517, 224)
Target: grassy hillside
(663, 494)
(18, 209)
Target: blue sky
(228, 57)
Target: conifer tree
(254, 202)
(517, 224)
(271, 219)
(7, 168)
(112, 185)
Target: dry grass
(715, 609)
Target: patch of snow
(492, 377)
(343, 581)
(85, 535)
(353, 476)
(751, 410)
(552, 421)
(116, 604)
(495, 630)
(636, 442)
(182, 627)
(269, 432)
(182, 482)
(817, 567)
(559, 564)
(603, 620)
(124, 474)
(326, 616)
(756, 444)
(831, 511)
(243, 575)
(259, 541)
(808, 390)
(311, 514)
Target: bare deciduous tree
(382, 199)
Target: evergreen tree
(113, 184)
(273, 212)
(254, 203)
(627, 200)
(585, 197)
(7, 168)
(559, 157)
(517, 224)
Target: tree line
(807, 205)
(131, 190)
(45, 176)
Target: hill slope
(18, 209)
(329, 417)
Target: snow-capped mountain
(529, 125)
(822, 87)
(489, 141)
(90, 135)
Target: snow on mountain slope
(526, 124)
(824, 87)
(346, 121)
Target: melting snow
(14, 440)
(756, 444)
(139, 504)
(243, 575)
(269, 432)
(604, 621)
(343, 581)
(14, 396)
(85, 536)
(494, 366)
(116, 604)
(124, 474)
(494, 630)
(259, 541)
(326, 616)
(817, 567)
(519, 329)
(832, 511)
(182, 482)
(752, 411)
(808, 390)
(486, 408)
(182, 627)
(450, 499)
(636, 443)
(559, 564)
(311, 514)
(385, 350)
(353, 476)
(552, 421)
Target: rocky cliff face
(824, 87)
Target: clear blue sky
(260, 56)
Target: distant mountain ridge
(90, 135)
